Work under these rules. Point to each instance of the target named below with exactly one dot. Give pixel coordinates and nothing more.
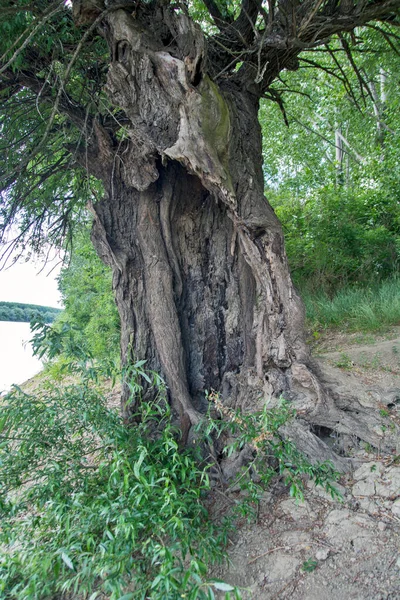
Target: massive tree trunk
(200, 272)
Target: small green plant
(367, 447)
(344, 361)
(309, 565)
(373, 362)
(271, 453)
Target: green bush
(92, 507)
(90, 313)
(271, 451)
(337, 237)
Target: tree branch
(24, 79)
(47, 15)
(245, 23)
(356, 156)
(220, 20)
(279, 44)
(361, 80)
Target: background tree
(90, 313)
(16, 311)
(347, 233)
(159, 103)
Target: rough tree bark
(200, 272)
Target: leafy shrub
(338, 237)
(272, 452)
(91, 506)
(90, 314)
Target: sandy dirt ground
(323, 549)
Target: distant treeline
(15, 311)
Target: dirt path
(324, 549)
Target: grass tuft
(355, 308)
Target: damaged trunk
(199, 268)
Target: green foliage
(355, 308)
(338, 201)
(91, 506)
(43, 191)
(272, 452)
(344, 361)
(89, 324)
(16, 311)
(338, 237)
(309, 565)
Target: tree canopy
(53, 73)
(333, 174)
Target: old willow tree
(158, 101)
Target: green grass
(356, 308)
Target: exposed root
(324, 403)
(313, 447)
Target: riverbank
(322, 548)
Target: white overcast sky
(23, 282)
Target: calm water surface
(16, 361)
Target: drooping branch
(346, 83)
(388, 36)
(41, 90)
(362, 83)
(25, 38)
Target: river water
(17, 364)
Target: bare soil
(323, 549)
